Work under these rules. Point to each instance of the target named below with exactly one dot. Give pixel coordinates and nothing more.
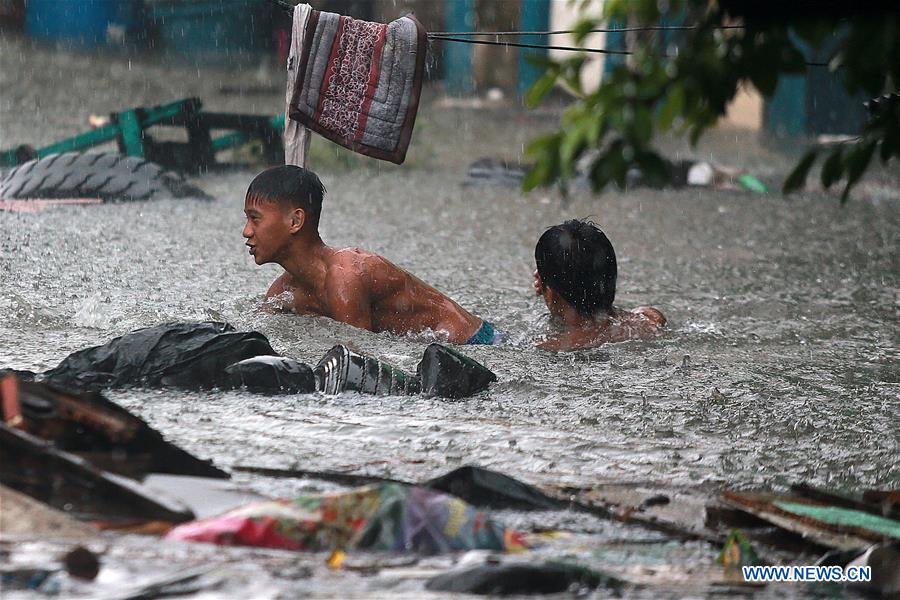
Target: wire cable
(451, 36)
(521, 45)
(600, 30)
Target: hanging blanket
(359, 82)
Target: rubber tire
(105, 175)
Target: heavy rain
(778, 365)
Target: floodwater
(779, 364)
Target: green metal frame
(129, 129)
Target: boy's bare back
(366, 290)
(643, 323)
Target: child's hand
(537, 283)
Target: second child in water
(576, 277)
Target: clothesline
(521, 45)
(451, 36)
(288, 7)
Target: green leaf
(765, 78)
(571, 147)
(833, 168)
(571, 75)
(671, 108)
(697, 131)
(598, 128)
(539, 90)
(543, 146)
(545, 152)
(582, 29)
(643, 125)
(538, 175)
(797, 178)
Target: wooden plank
(30, 461)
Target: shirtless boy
(576, 276)
(350, 285)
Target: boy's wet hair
(289, 185)
(577, 260)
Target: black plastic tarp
(185, 355)
(485, 488)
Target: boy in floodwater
(576, 276)
(350, 285)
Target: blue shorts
(486, 335)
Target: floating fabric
(359, 82)
(737, 552)
(386, 517)
(186, 355)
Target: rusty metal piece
(118, 427)
(9, 394)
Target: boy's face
(268, 230)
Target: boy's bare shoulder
(349, 269)
(280, 296)
(354, 265)
(282, 283)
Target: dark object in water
(95, 428)
(490, 171)
(182, 583)
(887, 500)
(272, 375)
(485, 488)
(441, 372)
(446, 373)
(205, 355)
(81, 563)
(657, 500)
(883, 559)
(68, 482)
(107, 176)
(518, 578)
(343, 370)
(185, 355)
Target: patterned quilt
(359, 82)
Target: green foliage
(658, 90)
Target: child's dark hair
(289, 185)
(577, 260)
